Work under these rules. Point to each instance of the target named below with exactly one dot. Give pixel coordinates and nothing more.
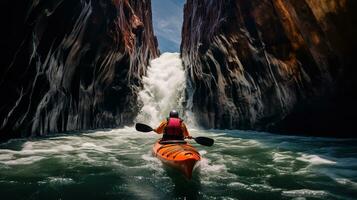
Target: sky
(167, 20)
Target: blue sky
(167, 20)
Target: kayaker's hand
(188, 137)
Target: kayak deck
(181, 156)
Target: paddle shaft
(200, 140)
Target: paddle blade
(143, 127)
(204, 141)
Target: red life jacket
(173, 130)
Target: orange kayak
(177, 154)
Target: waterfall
(164, 88)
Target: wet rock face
(72, 64)
(282, 65)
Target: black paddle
(200, 140)
(143, 127)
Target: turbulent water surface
(163, 89)
(117, 164)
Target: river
(117, 164)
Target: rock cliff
(282, 65)
(72, 64)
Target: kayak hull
(181, 156)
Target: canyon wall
(72, 64)
(276, 65)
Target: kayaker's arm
(186, 134)
(160, 129)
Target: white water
(117, 164)
(164, 87)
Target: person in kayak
(173, 128)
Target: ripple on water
(91, 146)
(346, 182)
(282, 157)
(254, 165)
(239, 185)
(306, 193)
(24, 161)
(152, 163)
(315, 159)
(6, 157)
(57, 181)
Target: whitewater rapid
(117, 164)
(164, 87)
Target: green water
(117, 164)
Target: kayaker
(173, 128)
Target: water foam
(305, 193)
(164, 87)
(24, 161)
(315, 159)
(59, 181)
(242, 166)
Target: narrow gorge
(268, 65)
(86, 84)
